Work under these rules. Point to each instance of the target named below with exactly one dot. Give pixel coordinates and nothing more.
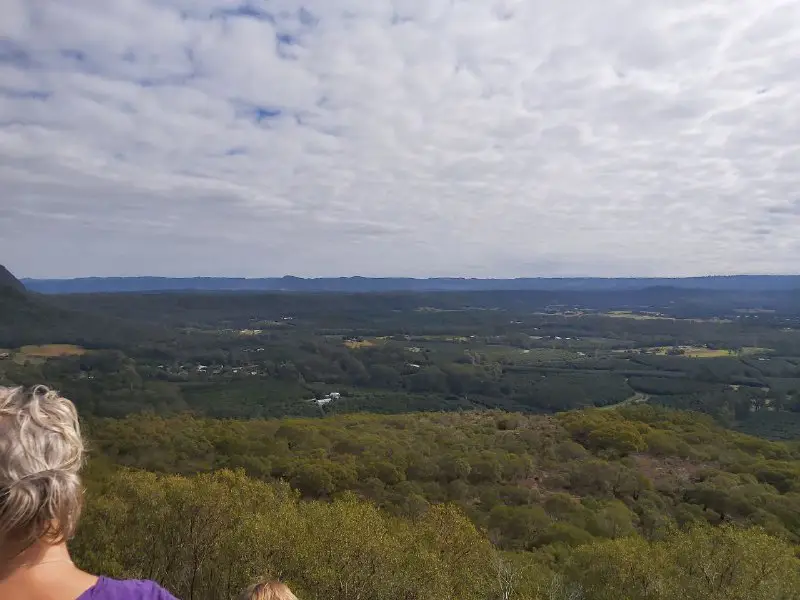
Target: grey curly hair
(41, 454)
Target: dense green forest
(486, 445)
(530, 481)
(638, 503)
(206, 536)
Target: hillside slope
(20, 310)
(206, 537)
(642, 504)
(531, 480)
(29, 318)
(7, 280)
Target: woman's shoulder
(126, 589)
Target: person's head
(269, 590)
(41, 454)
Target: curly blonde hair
(268, 590)
(41, 454)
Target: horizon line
(410, 278)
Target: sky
(480, 138)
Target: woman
(41, 454)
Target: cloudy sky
(489, 138)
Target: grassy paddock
(51, 351)
(703, 352)
(356, 344)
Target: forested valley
(531, 445)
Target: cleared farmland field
(52, 350)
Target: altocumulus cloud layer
(406, 137)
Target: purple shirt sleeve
(129, 589)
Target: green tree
(620, 438)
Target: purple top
(130, 589)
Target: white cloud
(414, 137)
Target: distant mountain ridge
(400, 284)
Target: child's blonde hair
(269, 590)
